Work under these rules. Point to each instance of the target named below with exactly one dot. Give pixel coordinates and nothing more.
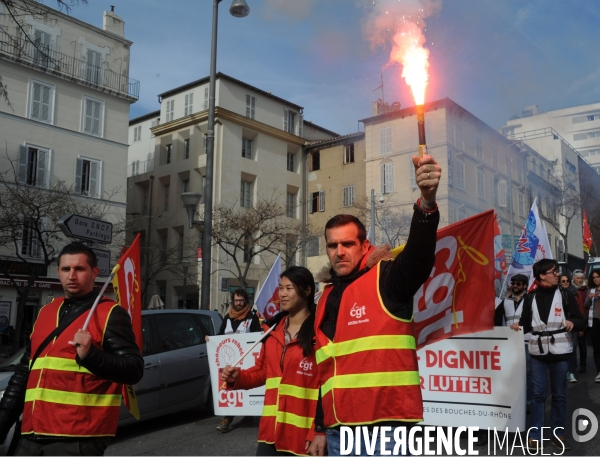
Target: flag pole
(263, 336)
(108, 280)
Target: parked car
(176, 374)
(592, 265)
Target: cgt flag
(587, 235)
(267, 300)
(126, 284)
(458, 297)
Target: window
(185, 185)
(186, 148)
(480, 183)
(349, 153)
(246, 194)
(590, 152)
(170, 110)
(92, 116)
(30, 245)
(502, 194)
(166, 188)
(312, 246)
(317, 201)
(291, 205)
(246, 148)
(93, 67)
(586, 135)
(521, 204)
(290, 161)
(570, 166)
(41, 102)
(348, 196)
(189, 104)
(460, 174)
(479, 147)
(289, 121)
(586, 118)
(42, 44)
(315, 161)
(178, 331)
(385, 140)
(520, 170)
(387, 178)
(137, 133)
(34, 166)
(413, 174)
(168, 150)
(248, 248)
(250, 106)
(458, 137)
(180, 246)
(87, 177)
(135, 167)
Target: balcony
(44, 58)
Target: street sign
(76, 226)
(103, 258)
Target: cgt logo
(584, 425)
(305, 365)
(358, 311)
(231, 398)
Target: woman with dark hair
(592, 306)
(287, 367)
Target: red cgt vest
(64, 399)
(370, 373)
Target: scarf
(239, 315)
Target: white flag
(267, 300)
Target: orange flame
(408, 50)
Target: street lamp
(238, 8)
(185, 264)
(190, 203)
(372, 229)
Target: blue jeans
(333, 441)
(558, 381)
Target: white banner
(475, 380)
(224, 350)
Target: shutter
(252, 106)
(300, 125)
(22, 170)
(187, 100)
(383, 178)
(191, 107)
(321, 200)
(389, 177)
(206, 97)
(45, 111)
(78, 171)
(286, 113)
(311, 203)
(94, 178)
(36, 245)
(351, 196)
(43, 158)
(247, 105)
(36, 101)
(344, 193)
(87, 123)
(96, 121)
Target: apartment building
(259, 140)
(481, 168)
(69, 95)
(578, 125)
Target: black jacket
(119, 360)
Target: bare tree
(242, 234)
(15, 12)
(29, 230)
(391, 223)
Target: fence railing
(45, 58)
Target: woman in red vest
(287, 367)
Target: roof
(205, 80)
(144, 117)
(323, 129)
(316, 145)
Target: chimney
(113, 23)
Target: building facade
(64, 123)
(258, 158)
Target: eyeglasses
(240, 300)
(517, 283)
(552, 272)
(565, 281)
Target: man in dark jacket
(354, 264)
(75, 378)
(550, 315)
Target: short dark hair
(78, 248)
(345, 219)
(542, 266)
(242, 293)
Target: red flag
(128, 293)
(587, 235)
(458, 297)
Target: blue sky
(493, 57)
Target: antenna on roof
(380, 87)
